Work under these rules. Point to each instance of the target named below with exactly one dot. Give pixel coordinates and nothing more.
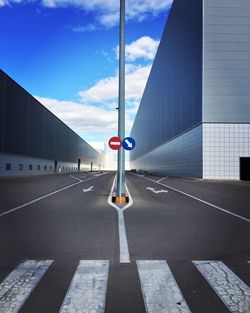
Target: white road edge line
(87, 290)
(18, 285)
(200, 200)
(123, 242)
(75, 178)
(228, 286)
(160, 291)
(45, 196)
(158, 181)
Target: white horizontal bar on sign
(87, 291)
(228, 286)
(160, 291)
(18, 285)
(115, 143)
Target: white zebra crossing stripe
(87, 291)
(229, 287)
(18, 285)
(160, 291)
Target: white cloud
(85, 28)
(6, 2)
(144, 47)
(84, 118)
(107, 11)
(3, 3)
(106, 89)
(96, 115)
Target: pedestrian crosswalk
(18, 285)
(87, 292)
(160, 290)
(229, 287)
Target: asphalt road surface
(180, 246)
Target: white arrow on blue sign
(128, 143)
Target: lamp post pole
(121, 109)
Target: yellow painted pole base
(120, 200)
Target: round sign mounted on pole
(128, 143)
(115, 143)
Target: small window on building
(38, 167)
(30, 167)
(63, 167)
(8, 167)
(45, 167)
(50, 167)
(20, 167)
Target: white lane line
(228, 286)
(75, 178)
(160, 291)
(158, 181)
(130, 200)
(123, 242)
(18, 285)
(200, 200)
(87, 291)
(44, 196)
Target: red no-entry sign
(115, 143)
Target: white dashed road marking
(229, 287)
(160, 291)
(18, 285)
(87, 291)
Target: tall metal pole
(121, 110)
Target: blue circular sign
(128, 143)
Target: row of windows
(8, 167)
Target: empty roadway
(60, 224)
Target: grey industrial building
(35, 141)
(194, 116)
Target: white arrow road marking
(18, 285)
(129, 144)
(198, 199)
(47, 195)
(89, 189)
(115, 143)
(156, 191)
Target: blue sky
(64, 53)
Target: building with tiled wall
(194, 116)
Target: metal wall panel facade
(181, 156)
(226, 61)
(2, 113)
(29, 129)
(172, 100)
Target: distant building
(33, 140)
(194, 116)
